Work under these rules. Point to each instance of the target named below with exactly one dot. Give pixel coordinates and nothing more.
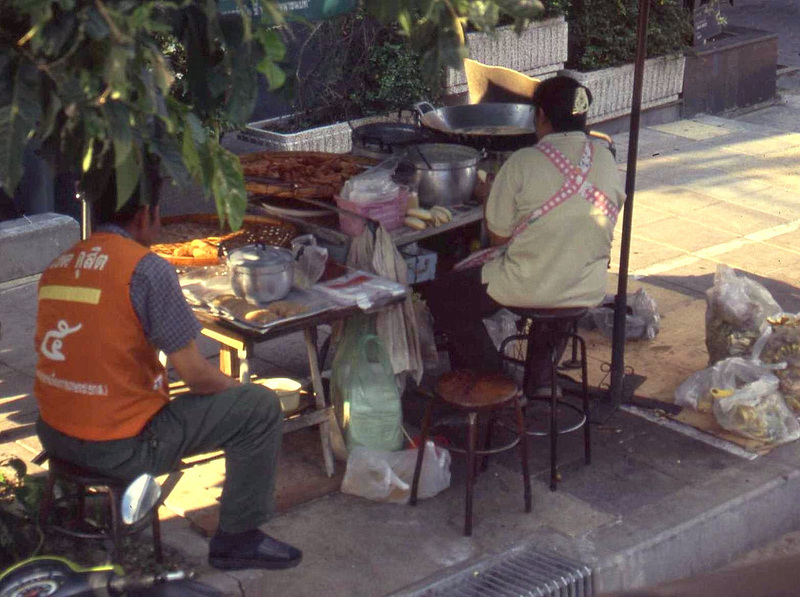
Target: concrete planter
(612, 88)
(540, 50)
(733, 70)
(332, 138)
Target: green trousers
(246, 422)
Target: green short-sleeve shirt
(561, 259)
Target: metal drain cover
(522, 573)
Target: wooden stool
(83, 479)
(558, 326)
(475, 393)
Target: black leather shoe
(251, 549)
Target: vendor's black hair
(556, 96)
(100, 187)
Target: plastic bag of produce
(736, 312)
(702, 388)
(363, 390)
(387, 476)
(758, 411)
(780, 345)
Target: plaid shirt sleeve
(166, 318)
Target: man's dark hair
(556, 97)
(100, 187)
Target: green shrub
(390, 79)
(602, 33)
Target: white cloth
(396, 325)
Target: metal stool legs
(472, 453)
(579, 345)
(117, 531)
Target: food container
(443, 173)
(260, 273)
(288, 390)
(389, 212)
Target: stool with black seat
(555, 328)
(84, 480)
(475, 393)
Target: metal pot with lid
(381, 139)
(261, 273)
(443, 173)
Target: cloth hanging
(396, 325)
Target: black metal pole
(621, 303)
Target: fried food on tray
(261, 316)
(199, 238)
(248, 312)
(301, 174)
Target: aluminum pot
(261, 273)
(443, 173)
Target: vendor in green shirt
(550, 214)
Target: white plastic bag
(728, 374)
(387, 476)
(375, 184)
(641, 322)
(309, 260)
(758, 411)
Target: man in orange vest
(106, 307)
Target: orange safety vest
(97, 378)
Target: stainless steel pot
(261, 273)
(443, 173)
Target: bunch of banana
(763, 422)
(419, 218)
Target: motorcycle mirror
(139, 498)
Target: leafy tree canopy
(88, 81)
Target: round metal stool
(473, 393)
(80, 526)
(555, 328)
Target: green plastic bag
(363, 391)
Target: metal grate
(527, 573)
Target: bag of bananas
(757, 411)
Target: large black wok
(490, 126)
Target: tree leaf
(228, 187)
(128, 174)
(119, 123)
(191, 157)
(18, 121)
(171, 157)
(274, 74)
(243, 86)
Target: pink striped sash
(575, 183)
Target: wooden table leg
(229, 361)
(319, 397)
(235, 362)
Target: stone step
(28, 244)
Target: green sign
(313, 10)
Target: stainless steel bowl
(260, 273)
